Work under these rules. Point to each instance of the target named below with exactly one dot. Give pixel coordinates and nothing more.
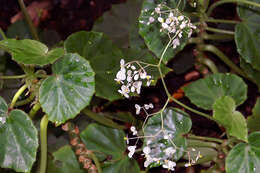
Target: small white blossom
(124, 91)
(148, 161)
(175, 43)
(137, 108)
(151, 105)
(165, 25)
(187, 165)
(160, 19)
(3, 120)
(131, 150)
(151, 19)
(169, 165)
(169, 151)
(157, 10)
(133, 67)
(146, 150)
(133, 130)
(180, 18)
(183, 25)
(120, 76)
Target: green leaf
(104, 139)
(117, 22)
(31, 52)
(247, 34)
(253, 121)
(251, 72)
(104, 58)
(64, 94)
(204, 92)
(224, 111)
(125, 165)
(245, 158)
(19, 29)
(155, 40)
(176, 123)
(19, 140)
(64, 161)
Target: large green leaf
(64, 161)
(224, 111)
(31, 52)
(245, 158)
(251, 72)
(19, 140)
(64, 94)
(125, 165)
(155, 40)
(111, 143)
(104, 58)
(176, 123)
(247, 34)
(104, 139)
(204, 92)
(253, 121)
(117, 22)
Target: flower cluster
(172, 22)
(146, 107)
(131, 78)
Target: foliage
(91, 72)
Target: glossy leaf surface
(245, 158)
(71, 87)
(108, 141)
(155, 40)
(224, 111)
(253, 121)
(104, 139)
(125, 165)
(64, 161)
(104, 58)
(176, 123)
(247, 34)
(31, 52)
(19, 140)
(204, 92)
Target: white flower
(180, 18)
(175, 43)
(171, 14)
(143, 75)
(137, 108)
(136, 77)
(124, 91)
(146, 150)
(151, 19)
(151, 105)
(157, 10)
(169, 165)
(187, 165)
(133, 130)
(131, 150)
(168, 21)
(148, 161)
(120, 76)
(169, 151)
(138, 85)
(126, 139)
(165, 25)
(183, 25)
(122, 63)
(3, 120)
(180, 35)
(133, 67)
(160, 19)
(132, 89)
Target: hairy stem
(102, 119)
(28, 20)
(190, 136)
(43, 161)
(224, 58)
(17, 95)
(25, 101)
(34, 110)
(14, 77)
(213, 6)
(3, 34)
(211, 20)
(222, 31)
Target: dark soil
(69, 16)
